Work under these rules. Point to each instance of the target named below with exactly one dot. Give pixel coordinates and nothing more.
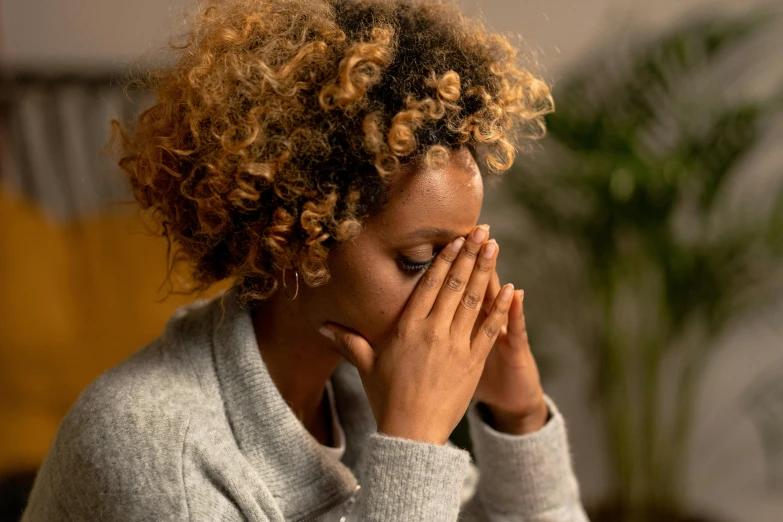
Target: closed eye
(414, 267)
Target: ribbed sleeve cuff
(524, 474)
(412, 481)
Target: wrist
(406, 432)
(514, 423)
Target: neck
(298, 359)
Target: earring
(296, 292)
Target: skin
(367, 297)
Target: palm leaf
(608, 104)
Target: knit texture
(192, 427)
(539, 461)
(396, 464)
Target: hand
(510, 386)
(421, 381)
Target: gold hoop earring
(296, 292)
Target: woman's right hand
(420, 383)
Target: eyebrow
(433, 233)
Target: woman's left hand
(510, 392)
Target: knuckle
(448, 255)
(484, 265)
(430, 281)
(470, 251)
(490, 330)
(454, 282)
(400, 332)
(432, 337)
(470, 299)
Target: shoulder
(147, 400)
(123, 439)
(140, 401)
(152, 392)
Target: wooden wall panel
(74, 300)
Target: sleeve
(523, 477)
(412, 481)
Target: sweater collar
(292, 464)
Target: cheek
(374, 293)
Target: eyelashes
(417, 267)
(412, 267)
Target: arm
(520, 444)
(523, 477)
(407, 480)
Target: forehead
(447, 197)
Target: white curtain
(52, 133)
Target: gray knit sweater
(192, 427)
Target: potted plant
(627, 224)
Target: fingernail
(507, 291)
(456, 245)
(326, 332)
(481, 233)
(489, 248)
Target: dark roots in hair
(280, 125)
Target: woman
(328, 157)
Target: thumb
(352, 346)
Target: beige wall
(102, 31)
(61, 33)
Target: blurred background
(646, 229)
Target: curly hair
(280, 124)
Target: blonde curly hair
(281, 123)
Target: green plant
(633, 200)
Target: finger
(517, 330)
(471, 302)
(352, 346)
(482, 315)
(453, 287)
(489, 299)
(492, 291)
(490, 329)
(423, 297)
